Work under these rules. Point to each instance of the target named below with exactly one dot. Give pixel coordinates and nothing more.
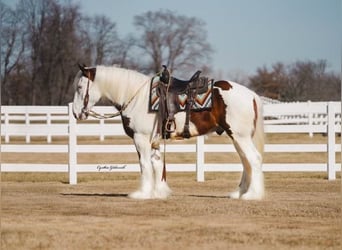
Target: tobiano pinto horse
(236, 110)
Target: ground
(42, 211)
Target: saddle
(200, 84)
(169, 90)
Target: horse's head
(86, 92)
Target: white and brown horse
(235, 109)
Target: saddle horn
(165, 74)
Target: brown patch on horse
(128, 130)
(255, 108)
(224, 85)
(207, 121)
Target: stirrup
(170, 125)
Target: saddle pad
(201, 102)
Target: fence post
(48, 122)
(310, 118)
(331, 142)
(27, 122)
(101, 129)
(200, 158)
(7, 138)
(72, 147)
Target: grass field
(41, 211)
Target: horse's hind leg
(252, 182)
(161, 189)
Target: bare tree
(311, 81)
(42, 40)
(105, 39)
(34, 14)
(125, 53)
(300, 81)
(54, 43)
(269, 82)
(68, 49)
(12, 48)
(175, 40)
(108, 47)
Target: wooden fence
(53, 123)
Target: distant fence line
(58, 122)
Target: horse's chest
(137, 124)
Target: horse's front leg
(161, 189)
(143, 146)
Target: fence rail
(56, 122)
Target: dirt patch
(40, 211)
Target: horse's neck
(119, 85)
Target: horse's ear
(87, 71)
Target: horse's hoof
(251, 196)
(234, 195)
(162, 191)
(138, 195)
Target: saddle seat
(195, 83)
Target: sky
(246, 34)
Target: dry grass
(41, 211)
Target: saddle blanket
(201, 101)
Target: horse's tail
(258, 135)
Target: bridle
(92, 113)
(86, 98)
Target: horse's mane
(110, 73)
(118, 84)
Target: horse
(236, 110)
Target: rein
(166, 129)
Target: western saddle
(168, 91)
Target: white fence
(58, 122)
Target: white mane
(118, 84)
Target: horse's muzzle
(81, 116)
